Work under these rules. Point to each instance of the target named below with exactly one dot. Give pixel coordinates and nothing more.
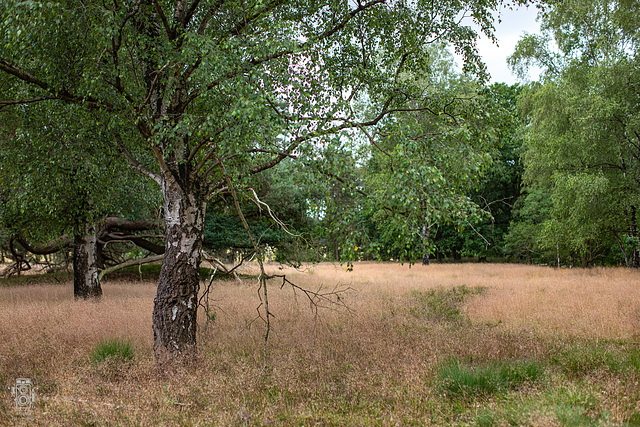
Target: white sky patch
(512, 26)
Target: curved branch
(135, 164)
(63, 95)
(138, 241)
(111, 223)
(24, 101)
(138, 261)
(54, 246)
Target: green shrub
(113, 349)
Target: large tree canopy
(218, 91)
(582, 140)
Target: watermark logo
(23, 396)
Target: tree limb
(54, 246)
(24, 101)
(63, 94)
(135, 164)
(138, 261)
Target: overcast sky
(513, 24)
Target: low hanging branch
(320, 298)
(263, 276)
(138, 261)
(317, 299)
(217, 264)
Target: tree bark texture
(85, 266)
(176, 302)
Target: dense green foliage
(582, 145)
(63, 173)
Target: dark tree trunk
(635, 255)
(176, 302)
(85, 265)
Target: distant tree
(582, 137)
(60, 180)
(499, 189)
(428, 168)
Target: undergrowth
(410, 351)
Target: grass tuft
(582, 358)
(460, 380)
(112, 349)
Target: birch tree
(218, 91)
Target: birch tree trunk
(85, 266)
(426, 231)
(176, 302)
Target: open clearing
(445, 344)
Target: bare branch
(262, 290)
(282, 225)
(320, 298)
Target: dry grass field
(448, 344)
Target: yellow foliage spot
(356, 248)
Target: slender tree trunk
(635, 255)
(426, 230)
(85, 267)
(176, 302)
(622, 249)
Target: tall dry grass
(374, 362)
(599, 302)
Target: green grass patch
(443, 304)
(461, 380)
(58, 277)
(577, 407)
(583, 358)
(112, 349)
